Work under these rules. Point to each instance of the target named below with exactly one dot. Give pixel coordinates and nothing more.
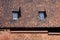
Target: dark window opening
(42, 15)
(16, 14)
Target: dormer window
(42, 15)
(16, 14)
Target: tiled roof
(29, 13)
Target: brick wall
(6, 35)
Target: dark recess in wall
(49, 29)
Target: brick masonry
(6, 35)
